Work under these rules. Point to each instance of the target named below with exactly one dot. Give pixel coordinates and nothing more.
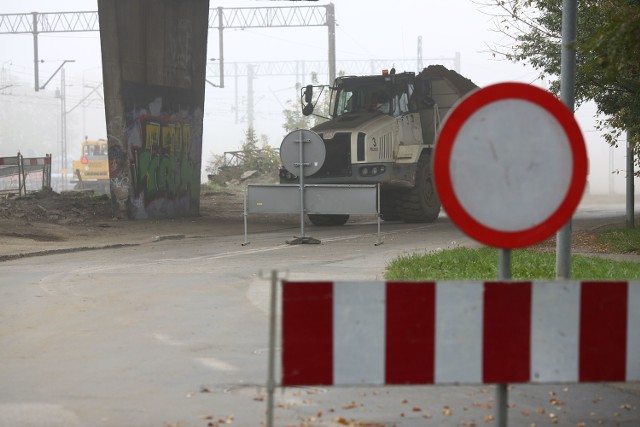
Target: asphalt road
(174, 333)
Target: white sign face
(510, 165)
(517, 151)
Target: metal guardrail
(21, 167)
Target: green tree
(607, 54)
(265, 159)
(254, 154)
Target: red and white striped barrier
(375, 333)
(9, 161)
(37, 161)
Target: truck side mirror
(308, 94)
(307, 110)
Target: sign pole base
(303, 241)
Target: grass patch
(213, 187)
(482, 264)
(621, 240)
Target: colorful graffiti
(166, 180)
(162, 168)
(164, 141)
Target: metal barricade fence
(22, 174)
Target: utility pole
(630, 187)
(567, 95)
(419, 65)
(63, 127)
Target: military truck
(382, 129)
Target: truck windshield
(363, 99)
(94, 150)
(383, 97)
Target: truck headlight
(372, 170)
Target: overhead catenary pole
(419, 66)
(63, 127)
(567, 93)
(35, 51)
(331, 24)
(250, 98)
(221, 44)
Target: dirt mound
(89, 208)
(48, 222)
(67, 208)
(461, 83)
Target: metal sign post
(302, 164)
(502, 390)
(308, 162)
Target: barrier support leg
(501, 404)
(21, 176)
(379, 241)
(271, 381)
(244, 213)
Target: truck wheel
(420, 203)
(325, 220)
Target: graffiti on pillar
(164, 138)
(118, 165)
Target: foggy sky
(366, 30)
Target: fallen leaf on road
(351, 405)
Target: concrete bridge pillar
(154, 63)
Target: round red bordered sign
(510, 165)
